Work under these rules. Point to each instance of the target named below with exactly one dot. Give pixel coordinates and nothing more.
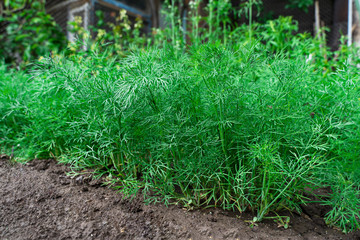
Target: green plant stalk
(196, 23)
(173, 26)
(263, 211)
(225, 34)
(210, 21)
(219, 116)
(218, 26)
(250, 20)
(264, 191)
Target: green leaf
(36, 20)
(21, 37)
(7, 3)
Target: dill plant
(218, 126)
(238, 124)
(13, 109)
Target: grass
(242, 125)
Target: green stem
(211, 10)
(250, 20)
(173, 21)
(263, 211)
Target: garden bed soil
(39, 201)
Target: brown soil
(38, 201)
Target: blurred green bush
(29, 32)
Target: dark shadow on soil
(38, 201)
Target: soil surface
(39, 201)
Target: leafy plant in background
(300, 4)
(123, 35)
(247, 10)
(194, 19)
(29, 32)
(218, 19)
(174, 30)
(279, 34)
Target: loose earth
(39, 201)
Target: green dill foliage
(236, 119)
(214, 126)
(13, 109)
(345, 203)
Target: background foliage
(29, 32)
(301, 4)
